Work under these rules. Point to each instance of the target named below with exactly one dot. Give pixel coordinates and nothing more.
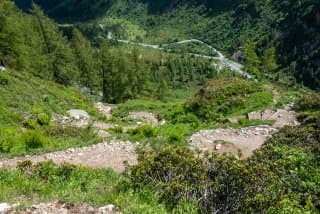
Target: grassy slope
(47, 182)
(26, 102)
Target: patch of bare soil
(104, 155)
(231, 140)
(281, 117)
(242, 142)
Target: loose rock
(78, 114)
(109, 209)
(4, 208)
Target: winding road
(223, 61)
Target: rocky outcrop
(77, 118)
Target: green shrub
(175, 137)
(43, 119)
(227, 97)
(31, 123)
(117, 130)
(4, 80)
(182, 178)
(34, 139)
(143, 131)
(310, 102)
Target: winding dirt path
(104, 155)
(246, 140)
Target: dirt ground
(244, 140)
(104, 155)
(232, 140)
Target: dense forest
(34, 43)
(154, 104)
(287, 29)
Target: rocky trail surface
(104, 155)
(243, 142)
(59, 208)
(108, 154)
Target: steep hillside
(26, 108)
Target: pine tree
(85, 60)
(252, 61)
(61, 59)
(106, 72)
(13, 50)
(269, 62)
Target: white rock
(78, 114)
(162, 122)
(218, 147)
(106, 209)
(2, 68)
(4, 208)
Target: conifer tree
(269, 62)
(106, 72)
(60, 55)
(84, 53)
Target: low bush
(143, 131)
(225, 97)
(310, 102)
(117, 130)
(13, 141)
(43, 119)
(4, 80)
(215, 183)
(33, 140)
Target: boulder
(78, 114)
(218, 147)
(109, 209)
(2, 68)
(5, 208)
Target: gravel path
(104, 155)
(245, 140)
(231, 140)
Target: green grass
(288, 97)
(47, 182)
(222, 98)
(27, 104)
